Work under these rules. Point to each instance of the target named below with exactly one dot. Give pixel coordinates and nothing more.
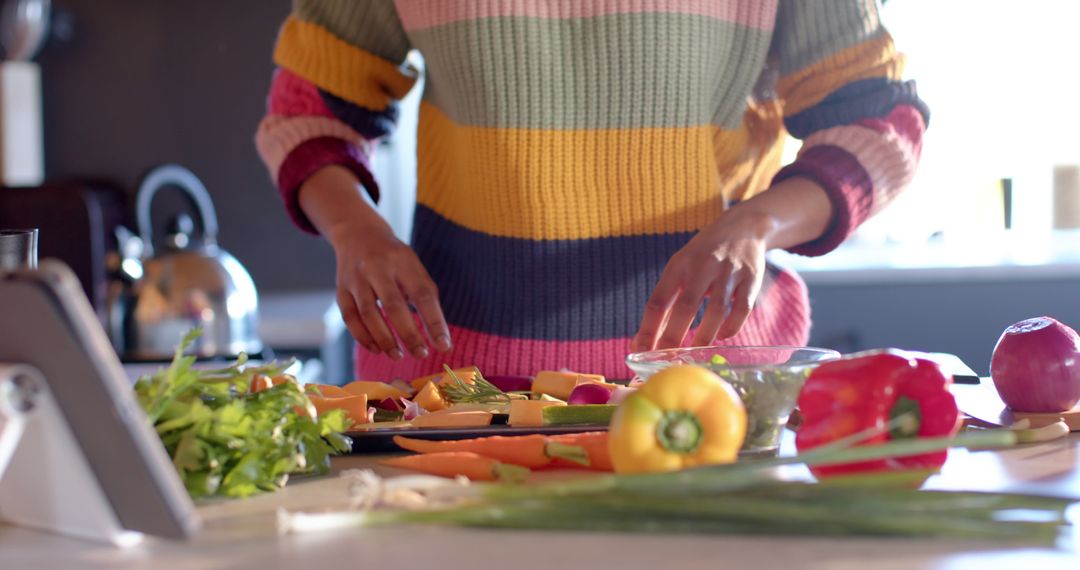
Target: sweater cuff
(310, 156)
(848, 186)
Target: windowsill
(1003, 256)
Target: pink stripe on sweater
(888, 149)
(419, 14)
(278, 136)
(291, 95)
(781, 317)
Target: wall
(142, 82)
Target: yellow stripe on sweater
(337, 67)
(810, 85)
(577, 184)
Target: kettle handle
(184, 179)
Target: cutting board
(981, 402)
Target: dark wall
(142, 82)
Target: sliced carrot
(327, 390)
(459, 463)
(355, 407)
(595, 444)
(450, 418)
(375, 391)
(525, 450)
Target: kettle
(157, 295)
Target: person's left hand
(724, 263)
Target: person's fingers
(683, 311)
(742, 302)
(354, 323)
(716, 312)
(424, 295)
(397, 311)
(656, 310)
(368, 308)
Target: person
(595, 177)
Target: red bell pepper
(866, 391)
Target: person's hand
(376, 269)
(724, 263)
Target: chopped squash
(468, 375)
(375, 391)
(530, 413)
(327, 390)
(561, 384)
(430, 398)
(355, 407)
(451, 418)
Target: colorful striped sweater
(567, 148)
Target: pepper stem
(679, 432)
(907, 416)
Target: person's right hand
(375, 269)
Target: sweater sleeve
(843, 94)
(341, 70)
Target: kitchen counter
(240, 534)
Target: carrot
(260, 382)
(595, 444)
(531, 451)
(459, 463)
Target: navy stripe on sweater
(868, 98)
(586, 289)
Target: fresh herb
(457, 391)
(225, 441)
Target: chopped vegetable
(589, 393)
(225, 438)
(375, 391)
(459, 464)
(457, 390)
(430, 398)
(355, 407)
(511, 383)
(326, 390)
(466, 374)
(560, 384)
(683, 416)
(532, 451)
(866, 390)
(530, 413)
(451, 418)
(590, 414)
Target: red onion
(1036, 366)
(511, 383)
(589, 393)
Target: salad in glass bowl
(767, 378)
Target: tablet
(46, 322)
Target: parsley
(225, 441)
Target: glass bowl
(767, 378)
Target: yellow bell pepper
(683, 416)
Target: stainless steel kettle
(154, 299)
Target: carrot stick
(531, 451)
(459, 463)
(595, 444)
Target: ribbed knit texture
(567, 148)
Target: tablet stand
(47, 483)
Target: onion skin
(1036, 366)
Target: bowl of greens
(767, 378)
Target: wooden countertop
(240, 534)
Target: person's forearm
(792, 212)
(333, 200)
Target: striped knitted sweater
(567, 148)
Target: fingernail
(396, 354)
(420, 352)
(443, 343)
